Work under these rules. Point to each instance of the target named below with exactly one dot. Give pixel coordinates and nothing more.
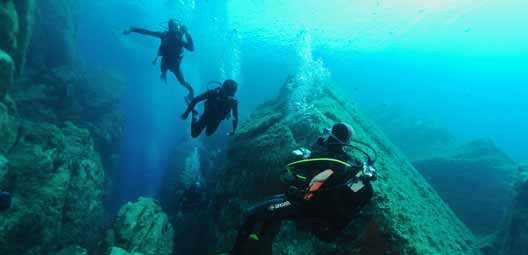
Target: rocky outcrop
(88, 98)
(407, 216)
(57, 182)
(141, 227)
(416, 136)
(513, 239)
(478, 168)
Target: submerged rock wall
(57, 182)
(59, 132)
(406, 217)
(476, 177)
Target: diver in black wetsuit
(192, 198)
(5, 201)
(329, 188)
(171, 50)
(219, 105)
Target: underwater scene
(260, 127)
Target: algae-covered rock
(57, 180)
(142, 227)
(72, 250)
(475, 178)
(513, 239)
(9, 124)
(407, 215)
(7, 70)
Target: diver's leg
(163, 68)
(197, 126)
(268, 215)
(212, 126)
(176, 69)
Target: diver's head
(174, 26)
(337, 137)
(5, 201)
(229, 87)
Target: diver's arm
(235, 116)
(144, 32)
(193, 103)
(188, 44)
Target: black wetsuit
(328, 211)
(171, 51)
(217, 108)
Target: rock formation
(57, 181)
(513, 239)
(475, 178)
(407, 216)
(56, 120)
(141, 227)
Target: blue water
(460, 63)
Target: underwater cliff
(59, 128)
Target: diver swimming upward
(171, 50)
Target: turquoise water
(460, 63)
(446, 81)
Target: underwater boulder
(57, 181)
(406, 217)
(142, 227)
(474, 178)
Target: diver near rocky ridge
(328, 189)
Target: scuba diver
(219, 105)
(328, 188)
(5, 201)
(171, 50)
(193, 197)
